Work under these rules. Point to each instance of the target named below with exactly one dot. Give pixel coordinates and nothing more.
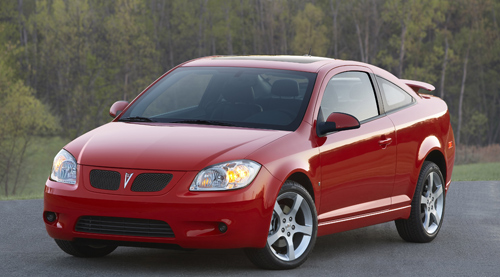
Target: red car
(258, 152)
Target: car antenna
(309, 54)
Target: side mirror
(337, 122)
(117, 108)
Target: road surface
(467, 245)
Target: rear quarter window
(393, 97)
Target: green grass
(23, 197)
(476, 172)
(38, 164)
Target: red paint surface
(357, 177)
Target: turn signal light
(450, 144)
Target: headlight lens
(226, 176)
(64, 168)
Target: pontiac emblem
(127, 178)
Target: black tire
(427, 207)
(286, 231)
(84, 251)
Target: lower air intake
(124, 226)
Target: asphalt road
(467, 245)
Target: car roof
(298, 63)
(288, 62)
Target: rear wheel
(83, 250)
(292, 231)
(427, 207)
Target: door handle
(385, 142)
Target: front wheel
(292, 231)
(427, 207)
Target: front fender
(290, 155)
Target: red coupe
(263, 153)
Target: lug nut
(288, 234)
(293, 227)
(290, 218)
(282, 230)
(284, 220)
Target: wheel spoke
(430, 182)
(427, 220)
(438, 192)
(278, 210)
(304, 229)
(296, 206)
(423, 200)
(436, 217)
(290, 249)
(273, 238)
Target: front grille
(124, 226)
(105, 179)
(150, 182)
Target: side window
(351, 93)
(393, 96)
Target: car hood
(173, 147)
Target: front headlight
(226, 176)
(64, 168)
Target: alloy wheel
(432, 203)
(291, 227)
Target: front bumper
(194, 217)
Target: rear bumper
(194, 217)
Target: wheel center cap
(288, 225)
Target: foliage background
(64, 62)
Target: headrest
(285, 87)
(235, 93)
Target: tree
(416, 19)
(23, 118)
(310, 33)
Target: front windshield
(230, 96)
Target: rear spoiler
(416, 85)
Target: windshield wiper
(136, 119)
(204, 122)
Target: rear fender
(429, 144)
(427, 147)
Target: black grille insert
(105, 179)
(124, 226)
(151, 182)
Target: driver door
(357, 166)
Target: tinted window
(351, 93)
(245, 97)
(186, 92)
(393, 96)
